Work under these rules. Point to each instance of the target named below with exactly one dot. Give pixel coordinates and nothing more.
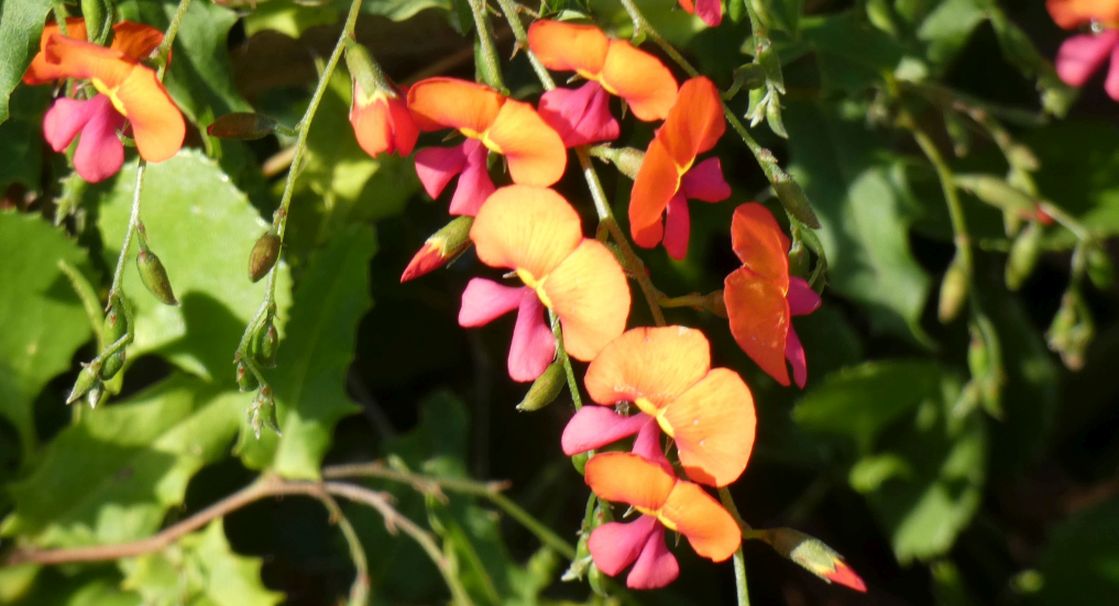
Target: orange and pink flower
(709, 11)
(382, 122)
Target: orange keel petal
(157, 124)
(42, 71)
(135, 40)
(525, 227)
(588, 292)
(656, 182)
(695, 122)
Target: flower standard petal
(711, 531)
(568, 46)
(589, 294)
(579, 116)
(759, 320)
(639, 78)
(1074, 13)
(1111, 83)
(441, 102)
(657, 364)
(655, 566)
(802, 299)
(436, 166)
(526, 228)
(41, 71)
(705, 182)
(596, 426)
(534, 151)
(474, 183)
(656, 182)
(627, 478)
(760, 244)
(713, 423)
(677, 227)
(794, 353)
(135, 40)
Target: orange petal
(713, 424)
(157, 124)
(534, 151)
(1073, 13)
(760, 244)
(657, 364)
(695, 122)
(439, 103)
(135, 40)
(624, 477)
(656, 182)
(759, 320)
(85, 61)
(42, 71)
(699, 517)
(525, 227)
(588, 292)
(569, 47)
(639, 78)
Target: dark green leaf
(22, 151)
(309, 381)
(851, 54)
(1081, 561)
(21, 23)
(947, 28)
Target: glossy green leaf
(201, 569)
(858, 197)
(21, 23)
(309, 381)
(44, 320)
(203, 230)
(113, 476)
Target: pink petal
(647, 445)
(794, 353)
(677, 227)
(802, 299)
(533, 345)
(580, 115)
(596, 426)
(616, 545)
(1111, 84)
(655, 566)
(705, 182)
(710, 11)
(474, 184)
(1080, 56)
(436, 166)
(65, 119)
(100, 153)
(484, 300)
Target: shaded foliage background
(933, 496)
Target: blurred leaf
(1080, 563)
(948, 27)
(64, 586)
(309, 381)
(850, 53)
(44, 320)
(399, 10)
(289, 17)
(858, 198)
(21, 24)
(203, 229)
(200, 569)
(22, 152)
(113, 476)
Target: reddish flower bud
(815, 556)
(442, 247)
(379, 114)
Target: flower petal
(655, 567)
(656, 182)
(589, 294)
(677, 227)
(759, 320)
(524, 227)
(436, 166)
(713, 424)
(383, 125)
(568, 46)
(624, 477)
(1074, 13)
(100, 153)
(65, 119)
(597, 426)
(705, 182)
(84, 60)
(135, 40)
(534, 151)
(1080, 56)
(794, 353)
(438, 103)
(802, 299)
(1111, 83)
(474, 183)
(580, 116)
(647, 444)
(616, 545)
(760, 244)
(711, 531)
(657, 364)
(695, 122)
(710, 11)
(41, 71)
(639, 78)
(157, 124)
(485, 300)
(533, 346)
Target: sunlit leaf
(21, 22)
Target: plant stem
(164, 50)
(133, 221)
(509, 8)
(739, 558)
(359, 590)
(561, 353)
(490, 68)
(961, 237)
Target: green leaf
(202, 228)
(45, 322)
(947, 28)
(858, 197)
(21, 24)
(22, 152)
(113, 476)
(309, 382)
(400, 10)
(850, 53)
(1081, 561)
(201, 569)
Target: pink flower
(436, 166)
(1081, 56)
(100, 153)
(533, 345)
(703, 182)
(580, 115)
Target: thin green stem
(509, 8)
(490, 67)
(741, 591)
(129, 231)
(948, 186)
(359, 590)
(561, 353)
(164, 50)
(59, 9)
(694, 300)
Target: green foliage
(1081, 560)
(21, 23)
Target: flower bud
(262, 412)
(441, 248)
(379, 115)
(773, 117)
(264, 254)
(1071, 331)
(953, 290)
(154, 277)
(86, 380)
(245, 126)
(266, 342)
(114, 328)
(545, 389)
(815, 556)
(246, 380)
(998, 193)
(626, 159)
(1024, 253)
(1100, 268)
(95, 394)
(792, 197)
(749, 76)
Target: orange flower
(535, 232)
(666, 372)
(382, 122)
(1070, 14)
(134, 40)
(761, 297)
(619, 68)
(665, 502)
(693, 126)
(534, 151)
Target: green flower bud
(813, 555)
(264, 254)
(87, 379)
(154, 277)
(792, 198)
(95, 394)
(266, 342)
(246, 380)
(114, 328)
(953, 290)
(1100, 268)
(1024, 253)
(545, 389)
(998, 193)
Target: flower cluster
(1084, 54)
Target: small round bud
(154, 277)
(264, 254)
(953, 290)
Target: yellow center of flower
(536, 285)
(656, 513)
(111, 93)
(483, 136)
(646, 406)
